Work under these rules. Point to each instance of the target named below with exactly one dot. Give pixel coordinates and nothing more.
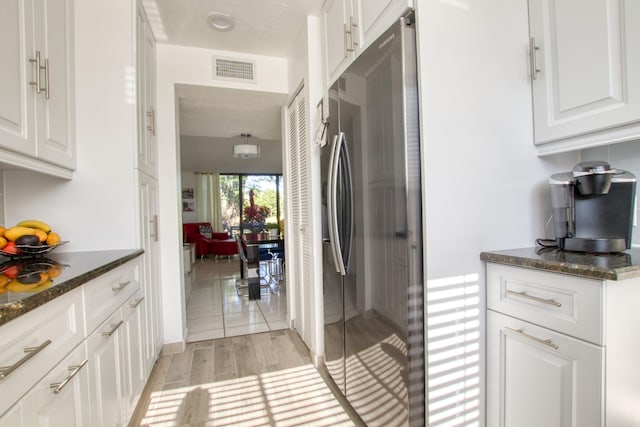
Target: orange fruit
(3, 242)
(53, 238)
(2, 230)
(41, 235)
(54, 271)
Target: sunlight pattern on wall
(289, 397)
(453, 358)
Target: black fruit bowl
(27, 251)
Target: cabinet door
(133, 349)
(588, 56)
(55, 124)
(17, 114)
(105, 373)
(146, 63)
(59, 399)
(149, 241)
(339, 42)
(536, 377)
(378, 15)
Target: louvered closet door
(299, 255)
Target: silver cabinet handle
(120, 286)
(533, 50)
(151, 125)
(57, 387)
(523, 294)
(113, 329)
(5, 371)
(134, 304)
(155, 228)
(38, 68)
(547, 342)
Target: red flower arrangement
(254, 213)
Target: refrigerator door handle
(349, 186)
(332, 203)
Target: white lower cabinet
(59, 399)
(133, 350)
(537, 377)
(81, 359)
(562, 350)
(106, 376)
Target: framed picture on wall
(187, 205)
(187, 193)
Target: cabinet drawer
(60, 398)
(566, 304)
(107, 293)
(35, 342)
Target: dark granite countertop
(618, 266)
(67, 271)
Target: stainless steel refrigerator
(372, 233)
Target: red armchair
(207, 241)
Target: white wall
(97, 209)
(188, 180)
(193, 66)
(485, 187)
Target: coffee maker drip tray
(578, 244)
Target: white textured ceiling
(218, 116)
(263, 27)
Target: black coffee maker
(593, 208)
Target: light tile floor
(215, 310)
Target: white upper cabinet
(36, 83)
(351, 25)
(17, 111)
(146, 64)
(585, 70)
(341, 31)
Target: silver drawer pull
(5, 371)
(547, 342)
(120, 286)
(57, 387)
(113, 329)
(523, 294)
(134, 304)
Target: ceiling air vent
(231, 69)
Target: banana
(14, 233)
(34, 223)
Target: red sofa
(218, 243)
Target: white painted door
(537, 377)
(17, 96)
(588, 56)
(55, 124)
(299, 253)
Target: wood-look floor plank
(180, 366)
(202, 366)
(225, 358)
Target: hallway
(215, 310)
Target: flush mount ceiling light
(221, 21)
(246, 150)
